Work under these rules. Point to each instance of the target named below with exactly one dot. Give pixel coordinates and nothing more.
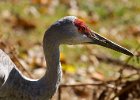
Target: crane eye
(81, 26)
(81, 29)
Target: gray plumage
(15, 86)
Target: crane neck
(52, 76)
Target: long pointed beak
(99, 40)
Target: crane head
(98, 39)
(74, 31)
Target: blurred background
(90, 72)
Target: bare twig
(117, 62)
(59, 93)
(130, 86)
(81, 84)
(107, 59)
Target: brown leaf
(23, 23)
(81, 92)
(98, 76)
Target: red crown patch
(80, 24)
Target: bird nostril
(105, 41)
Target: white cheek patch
(86, 38)
(84, 35)
(81, 38)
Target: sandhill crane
(68, 30)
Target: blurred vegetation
(23, 23)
